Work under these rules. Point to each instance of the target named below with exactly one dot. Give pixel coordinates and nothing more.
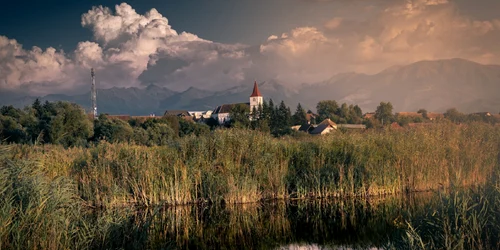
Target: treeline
(279, 119)
(67, 124)
(267, 118)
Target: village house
(221, 113)
(396, 126)
(308, 127)
(178, 113)
(184, 114)
(369, 115)
(324, 127)
(201, 114)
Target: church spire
(256, 91)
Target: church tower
(256, 98)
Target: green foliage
(404, 121)
(384, 113)
(12, 131)
(454, 115)
(212, 123)
(112, 130)
(424, 113)
(70, 126)
(160, 134)
(299, 117)
(239, 115)
(267, 110)
(261, 125)
(281, 120)
(10, 111)
(327, 110)
(188, 128)
(342, 114)
(174, 122)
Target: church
(221, 113)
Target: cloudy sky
(49, 46)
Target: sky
(50, 46)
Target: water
(306, 224)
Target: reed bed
(57, 198)
(241, 166)
(463, 219)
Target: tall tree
(327, 109)
(255, 113)
(283, 115)
(281, 120)
(239, 115)
(424, 113)
(266, 111)
(112, 130)
(37, 106)
(384, 113)
(344, 113)
(299, 117)
(355, 115)
(357, 111)
(454, 115)
(70, 126)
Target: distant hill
(133, 101)
(433, 85)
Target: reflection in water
(318, 224)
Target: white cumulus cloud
(133, 49)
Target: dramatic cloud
(132, 49)
(34, 69)
(402, 33)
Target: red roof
(256, 91)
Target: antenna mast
(93, 94)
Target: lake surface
(304, 224)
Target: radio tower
(93, 94)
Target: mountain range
(433, 85)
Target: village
(222, 116)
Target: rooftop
(256, 91)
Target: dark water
(318, 224)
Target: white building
(221, 113)
(201, 114)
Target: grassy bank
(238, 166)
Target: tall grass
(464, 219)
(239, 166)
(48, 193)
(37, 212)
